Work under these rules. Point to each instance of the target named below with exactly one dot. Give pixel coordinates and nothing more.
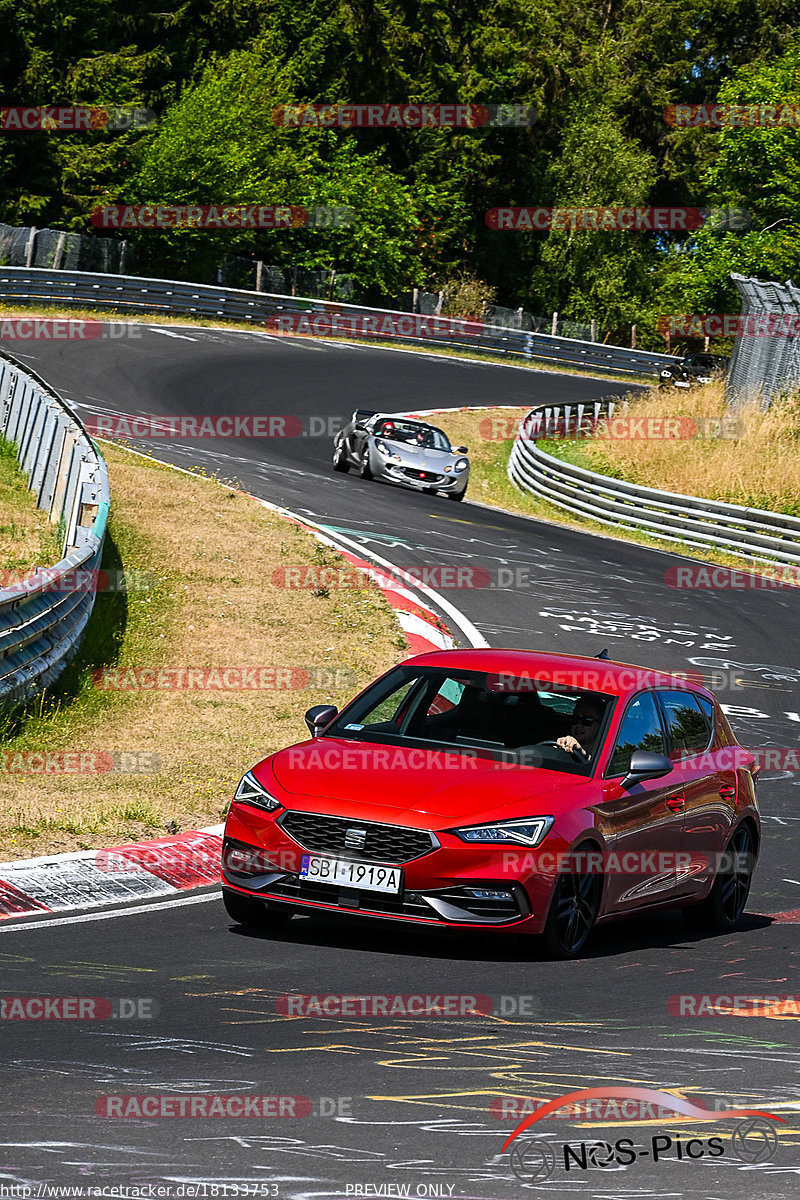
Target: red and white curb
(87, 879)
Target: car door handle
(727, 791)
(676, 803)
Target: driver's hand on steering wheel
(571, 745)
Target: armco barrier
(752, 533)
(129, 294)
(40, 626)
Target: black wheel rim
(577, 903)
(735, 882)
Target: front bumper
(423, 481)
(438, 887)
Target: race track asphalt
(407, 1103)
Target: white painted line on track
(184, 337)
(10, 926)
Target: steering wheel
(577, 752)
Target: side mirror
(646, 764)
(462, 450)
(319, 716)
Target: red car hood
(423, 788)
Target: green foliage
(599, 75)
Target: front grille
(425, 476)
(392, 844)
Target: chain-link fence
(322, 283)
(25, 246)
(766, 353)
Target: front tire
(256, 914)
(457, 495)
(340, 462)
(573, 912)
(722, 909)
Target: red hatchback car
(531, 793)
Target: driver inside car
(587, 717)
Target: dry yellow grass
(212, 604)
(759, 466)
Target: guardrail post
(51, 474)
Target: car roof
(568, 670)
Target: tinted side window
(708, 709)
(640, 730)
(688, 729)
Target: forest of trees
(599, 75)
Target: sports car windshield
(413, 433)
(516, 720)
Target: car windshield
(516, 720)
(413, 433)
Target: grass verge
(200, 559)
(27, 537)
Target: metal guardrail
(43, 616)
(752, 533)
(130, 294)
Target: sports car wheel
(340, 462)
(573, 912)
(724, 905)
(364, 470)
(457, 495)
(255, 913)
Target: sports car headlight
(250, 791)
(524, 831)
(383, 448)
(460, 464)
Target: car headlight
(250, 791)
(460, 464)
(383, 448)
(524, 831)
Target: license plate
(368, 877)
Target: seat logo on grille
(355, 839)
